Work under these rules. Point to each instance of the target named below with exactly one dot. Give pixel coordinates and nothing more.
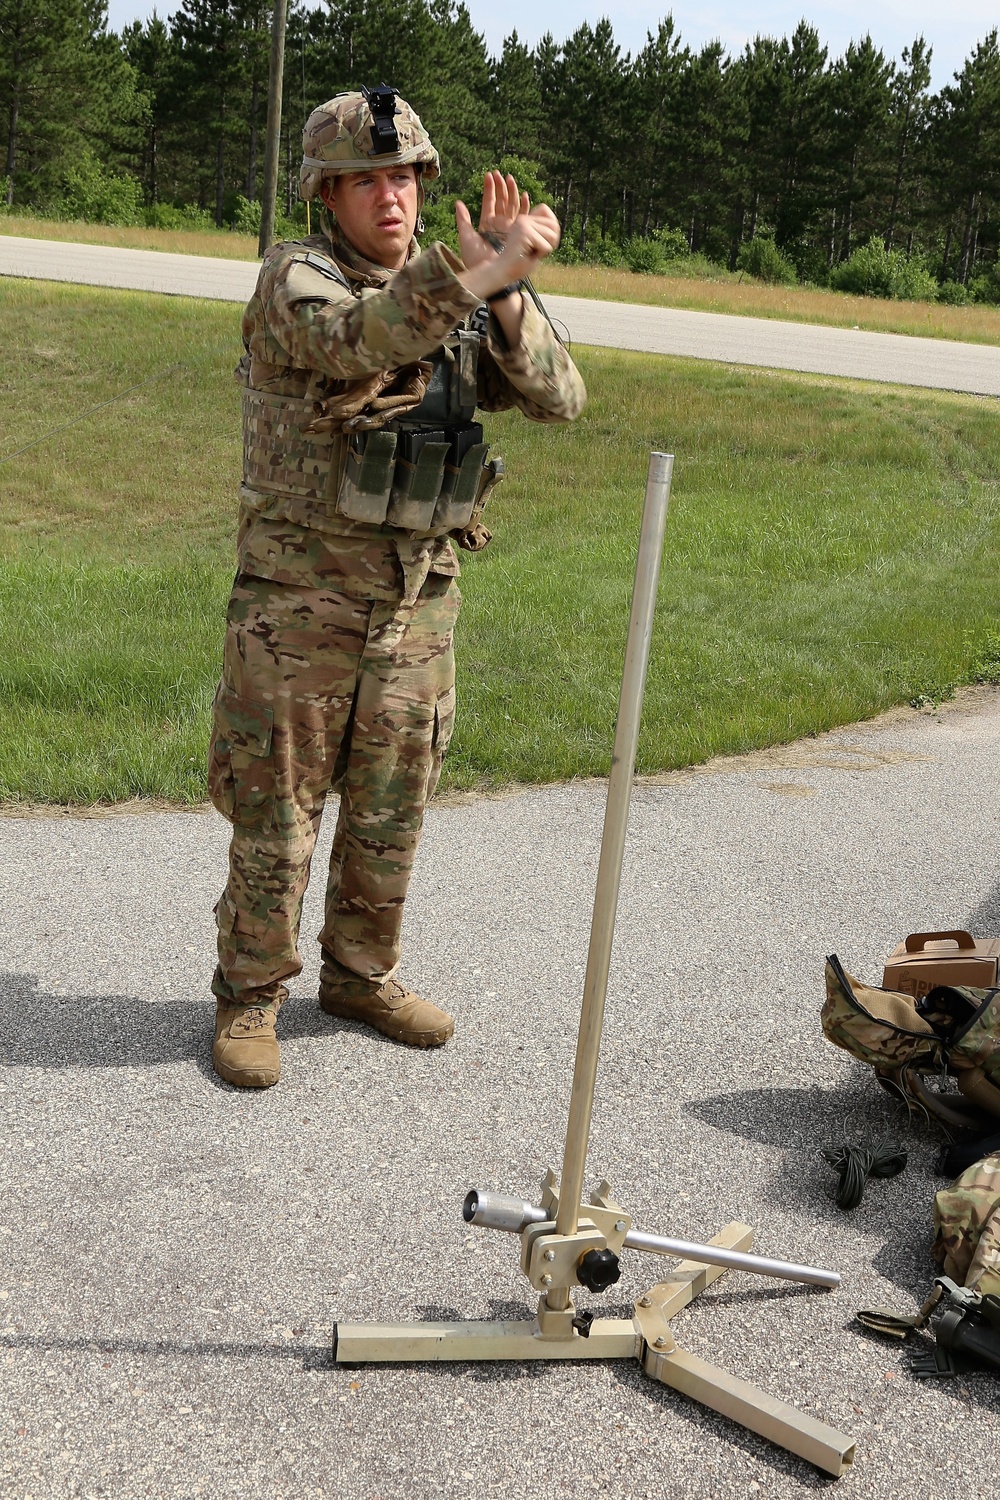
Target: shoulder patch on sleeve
(310, 276)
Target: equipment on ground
(967, 1330)
(952, 1031)
(854, 1165)
(966, 1298)
(566, 1243)
(924, 960)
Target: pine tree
(152, 53)
(652, 131)
(707, 127)
(762, 75)
(908, 116)
(218, 42)
(515, 113)
(554, 147)
(592, 89)
(966, 140)
(859, 142)
(66, 94)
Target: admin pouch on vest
(397, 448)
(952, 1031)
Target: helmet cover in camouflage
(338, 138)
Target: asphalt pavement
(174, 1252)
(887, 357)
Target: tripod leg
(397, 1343)
(775, 1420)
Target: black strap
(504, 293)
(955, 1159)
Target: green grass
(107, 681)
(831, 550)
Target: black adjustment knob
(598, 1270)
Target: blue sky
(952, 30)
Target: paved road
(173, 1252)
(885, 357)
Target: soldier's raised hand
(525, 235)
(502, 203)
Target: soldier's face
(376, 211)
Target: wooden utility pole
(273, 141)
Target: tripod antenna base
(403, 1343)
(647, 1337)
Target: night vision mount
(382, 103)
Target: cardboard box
(926, 959)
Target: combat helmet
(371, 128)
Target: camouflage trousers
(324, 692)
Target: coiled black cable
(856, 1164)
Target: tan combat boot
(394, 1010)
(246, 1049)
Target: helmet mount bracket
(382, 104)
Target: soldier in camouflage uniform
(364, 362)
(967, 1227)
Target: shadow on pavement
(311, 1356)
(985, 920)
(905, 1258)
(799, 1123)
(800, 1116)
(716, 1428)
(41, 1030)
(979, 1386)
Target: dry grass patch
(972, 325)
(221, 244)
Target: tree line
(781, 156)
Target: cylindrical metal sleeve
(499, 1211)
(737, 1260)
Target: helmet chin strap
(420, 226)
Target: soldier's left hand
(503, 206)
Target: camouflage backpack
(954, 1030)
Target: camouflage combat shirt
(309, 337)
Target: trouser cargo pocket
(444, 725)
(241, 771)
